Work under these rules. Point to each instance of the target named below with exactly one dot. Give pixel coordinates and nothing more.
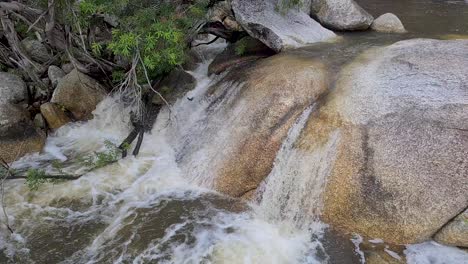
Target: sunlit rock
(388, 23)
(278, 29)
(341, 14)
(54, 116)
(401, 163)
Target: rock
(68, 67)
(388, 23)
(39, 121)
(36, 50)
(222, 12)
(396, 131)
(55, 116)
(18, 136)
(341, 14)
(79, 94)
(12, 88)
(55, 75)
(249, 114)
(455, 233)
(278, 31)
(244, 51)
(175, 85)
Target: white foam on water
(434, 253)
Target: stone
(249, 113)
(18, 136)
(36, 50)
(341, 14)
(79, 94)
(68, 67)
(261, 20)
(240, 53)
(397, 127)
(455, 233)
(39, 121)
(12, 88)
(388, 23)
(55, 74)
(55, 116)
(222, 12)
(174, 86)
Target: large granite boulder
(294, 28)
(79, 94)
(455, 233)
(12, 88)
(18, 135)
(388, 23)
(397, 127)
(249, 112)
(341, 14)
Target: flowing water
(160, 207)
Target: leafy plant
(35, 178)
(103, 158)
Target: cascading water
(159, 207)
(148, 209)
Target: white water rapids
(152, 209)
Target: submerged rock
(278, 31)
(388, 23)
(244, 51)
(79, 94)
(398, 124)
(12, 88)
(341, 14)
(18, 136)
(261, 103)
(455, 233)
(55, 116)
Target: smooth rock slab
(341, 14)
(401, 163)
(278, 31)
(388, 23)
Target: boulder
(12, 88)
(175, 85)
(36, 50)
(54, 116)
(79, 94)
(341, 14)
(68, 67)
(18, 136)
(455, 233)
(249, 112)
(278, 31)
(388, 23)
(39, 121)
(222, 12)
(55, 74)
(397, 127)
(243, 51)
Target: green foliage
(155, 30)
(241, 47)
(102, 158)
(35, 178)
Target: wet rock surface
(399, 113)
(455, 233)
